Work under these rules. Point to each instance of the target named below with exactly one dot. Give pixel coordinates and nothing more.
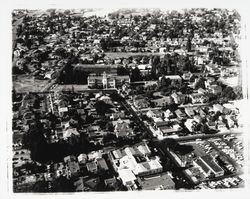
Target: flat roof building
(161, 182)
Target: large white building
(107, 81)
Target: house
(201, 91)
(71, 132)
(61, 170)
(122, 129)
(191, 124)
(73, 168)
(159, 182)
(101, 164)
(175, 79)
(164, 129)
(69, 158)
(218, 107)
(117, 115)
(94, 131)
(197, 118)
(220, 125)
(92, 167)
(168, 131)
(168, 114)
(106, 99)
(163, 101)
(198, 98)
(189, 111)
(215, 89)
(178, 97)
(180, 114)
(201, 112)
(111, 183)
(82, 158)
(231, 109)
(230, 121)
(28, 117)
(187, 76)
(21, 157)
(140, 102)
(209, 81)
(211, 125)
(154, 113)
(94, 155)
(62, 111)
(79, 185)
(92, 183)
(65, 124)
(50, 75)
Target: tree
(102, 107)
(62, 184)
(40, 186)
(205, 129)
(189, 44)
(164, 82)
(155, 66)
(122, 71)
(35, 141)
(135, 75)
(228, 93)
(200, 83)
(183, 149)
(169, 143)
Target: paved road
(206, 136)
(138, 120)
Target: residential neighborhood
(137, 99)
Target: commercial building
(209, 166)
(159, 182)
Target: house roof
(117, 154)
(71, 132)
(161, 124)
(73, 167)
(91, 166)
(102, 164)
(218, 106)
(122, 129)
(93, 182)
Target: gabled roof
(71, 132)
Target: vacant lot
(71, 87)
(27, 83)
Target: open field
(69, 87)
(27, 83)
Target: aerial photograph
(126, 99)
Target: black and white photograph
(127, 99)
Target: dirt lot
(27, 83)
(57, 87)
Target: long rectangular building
(107, 81)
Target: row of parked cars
(231, 182)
